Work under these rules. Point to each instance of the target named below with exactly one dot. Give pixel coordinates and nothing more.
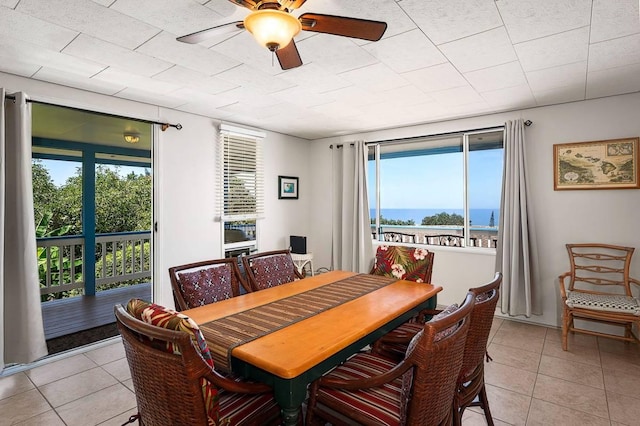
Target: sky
(436, 181)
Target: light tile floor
(530, 381)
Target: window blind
(241, 174)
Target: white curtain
(352, 248)
(516, 255)
(21, 329)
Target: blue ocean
(479, 217)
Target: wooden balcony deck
(68, 316)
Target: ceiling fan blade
(249, 4)
(203, 35)
(292, 4)
(288, 56)
(343, 26)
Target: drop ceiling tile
(613, 19)
(435, 78)
(447, 20)
(559, 49)
(198, 58)
(334, 54)
(91, 48)
(354, 96)
(37, 55)
(183, 76)
(558, 77)
(178, 17)
(406, 52)
(34, 30)
(206, 110)
(483, 50)
(194, 96)
(342, 109)
(150, 97)
(456, 96)
(315, 78)
(614, 53)
(531, 19)
(376, 10)
(65, 78)
(375, 78)
(406, 96)
(248, 96)
(105, 3)
(91, 18)
(559, 95)
(222, 7)
(134, 81)
(244, 75)
(11, 66)
(9, 3)
(244, 48)
(498, 77)
(511, 97)
(613, 81)
(303, 97)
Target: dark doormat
(81, 338)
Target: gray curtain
(21, 332)
(352, 248)
(516, 255)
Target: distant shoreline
(478, 217)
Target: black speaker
(298, 244)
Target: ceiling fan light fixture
(273, 29)
(131, 137)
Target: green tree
(443, 219)
(385, 221)
(122, 204)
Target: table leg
(290, 395)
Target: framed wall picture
(609, 164)
(287, 188)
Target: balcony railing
(120, 257)
(436, 235)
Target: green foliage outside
(385, 221)
(123, 204)
(444, 219)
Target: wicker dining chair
(200, 283)
(599, 289)
(470, 383)
(370, 389)
(270, 269)
(175, 382)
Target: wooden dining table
(293, 355)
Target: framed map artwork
(610, 164)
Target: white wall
(608, 216)
(184, 171)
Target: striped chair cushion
(601, 302)
(382, 405)
(237, 408)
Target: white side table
(300, 260)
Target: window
(241, 188)
(439, 190)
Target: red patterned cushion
(381, 404)
(405, 263)
(206, 285)
(166, 318)
(271, 271)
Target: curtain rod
(163, 126)
(526, 123)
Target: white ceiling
(439, 59)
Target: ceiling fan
(272, 25)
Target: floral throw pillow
(403, 263)
(167, 318)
